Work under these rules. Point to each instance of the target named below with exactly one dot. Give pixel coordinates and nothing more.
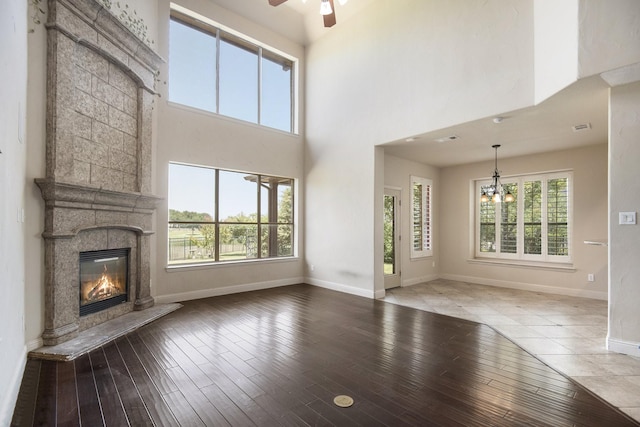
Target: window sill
(568, 267)
(240, 263)
(196, 110)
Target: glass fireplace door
(104, 279)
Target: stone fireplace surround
(97, 189)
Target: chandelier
(494, 191)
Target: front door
(391, 238)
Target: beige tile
(588, 331)
(573, 365)
(542, 346)
(632, 412)
(517, 331)
(584, 346)
(480, 310)
(618, 364)
(530, 319)
(555, 331)
(622, 392)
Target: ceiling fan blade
(276, 2)
(330, 20)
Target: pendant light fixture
(494, 191)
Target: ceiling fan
(327, 10)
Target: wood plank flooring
(280, 356)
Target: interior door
(391, 238)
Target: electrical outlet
(312, 267)
(590, 277)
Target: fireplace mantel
(98, 183)
(81, 197)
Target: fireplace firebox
(104, 279)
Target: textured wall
(624, 196)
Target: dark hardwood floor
(280, 356)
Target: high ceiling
(297, 20)
(310, 11)
(544, 127)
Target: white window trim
(520, 256)
(181, 13)
(216, 222)
(427, 218)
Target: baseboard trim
(624, 347)
(528, 287)
(226, 290)
(11, 397)
(367, 293)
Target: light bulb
(496, 198)
(325, 8)
(509, 197)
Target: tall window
(536, 226)
(421, 218)
(216, 71)
(218, 215)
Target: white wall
(397, 174)
(589, 166)
(35, 168)
(609, 36)
(400, 67)
(196, 137)
(556, 46)
(624, 196)
(13, 257)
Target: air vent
(582, 127)
(447, 138)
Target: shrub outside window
(228, 216)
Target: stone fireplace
(97, 188)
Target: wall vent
(581, 127)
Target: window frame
(520, 255)
(220, 32)
(425, 218)
(217, 222)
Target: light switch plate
(627, 218)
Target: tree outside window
(228, 216)
(535, 226)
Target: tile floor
(566, 333)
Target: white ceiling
(313, 22)
(542, 128)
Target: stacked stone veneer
(97, 189)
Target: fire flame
(102, 288)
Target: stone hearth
(97, 189)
